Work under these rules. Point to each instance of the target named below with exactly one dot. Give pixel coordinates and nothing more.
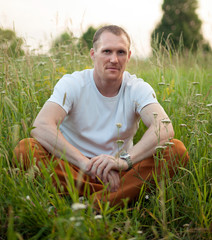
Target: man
(89, 111)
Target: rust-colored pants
(173, 156)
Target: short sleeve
(62, 93)
(143, 95)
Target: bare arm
(47, 132)
(157, 133)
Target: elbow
(33, 132)
(170, 132)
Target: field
(30, 207)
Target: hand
(114, 180)
(101, 166)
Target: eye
(122, 52)
(107, 51)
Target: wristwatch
(126, 157)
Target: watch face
(124, 155)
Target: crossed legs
(29, 152)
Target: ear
(92, 53)
(129, 55)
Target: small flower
(118, 125)
(120, 142)
(28, 197)
(167, 100)
(166, 121)
(50, 209)
(77, 224)
(147, 197)
(209, 105)
(160, 148)
(161, 83)
(98, 216)
(183, 125)
(78, 206)
(209, 134)
(169, 143)
(140, 232)
(72, 219)
(186, 225)
(201, 113)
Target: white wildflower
(209, 134)
(72, 219)
(118, 125)
(78, 206)
(77, 224)
(161, 83)
(167, 100)
(201, 113)
(160, 148)
(50, 209)
(183, 125)
(169, 143)
(209, 105)
(140, 232)
(147, 197)
(98, 216)
(186, 225)
(166, 121)
(27, 197)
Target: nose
(114, 58)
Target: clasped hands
(107, 169)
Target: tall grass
(30, 208)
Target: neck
(107, 87)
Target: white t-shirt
(90, 124)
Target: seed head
(118, 125)
(98, 217)
(166, 121)
(195, 83)
(78, 206)
(183, 125)
(161, 83)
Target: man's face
(110, 57)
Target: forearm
(53, 141)
(146, 146)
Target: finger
(111, 183)
(106, 171)
(116, 179)
(101, 168)
(94, 168)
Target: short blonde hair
(113, 29)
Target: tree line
(179, 28)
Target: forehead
(109, 40)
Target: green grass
(30, 208)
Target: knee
(179, 150)
(22, 153)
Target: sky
(40, 21)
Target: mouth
(113, 68)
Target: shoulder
(78, 78)
(135, 84)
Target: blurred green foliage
(180, 26)
(10, 44)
